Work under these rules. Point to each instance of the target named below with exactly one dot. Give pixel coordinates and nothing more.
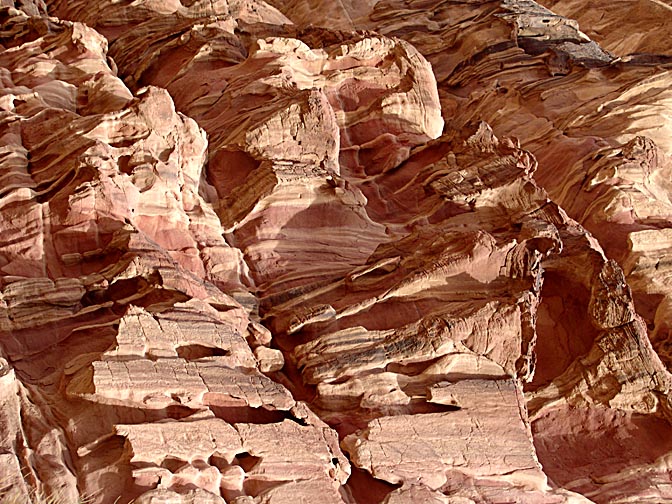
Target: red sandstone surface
(303, 251)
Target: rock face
(389, 251)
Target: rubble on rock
(390, 251)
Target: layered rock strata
(393, 251)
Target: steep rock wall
(393, 251)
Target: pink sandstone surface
(301, 251)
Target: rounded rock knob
(4, 367)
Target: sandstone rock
(162, 382)
(445, 448)
(206, 453)
(270, 360)
(240, 238)
(162, 496)
(615, 28)
(190, 330)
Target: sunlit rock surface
(389, 251)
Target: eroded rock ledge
(391, 251)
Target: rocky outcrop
(393, 251)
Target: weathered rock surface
(389, 251)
